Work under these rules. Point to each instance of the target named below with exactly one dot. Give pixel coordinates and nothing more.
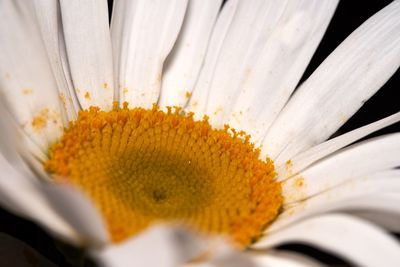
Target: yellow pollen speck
(188, 94)
(218, 110)
(125, 90)
(27, 91)
(63, 99)
(39, 122)
(105, 85)
(289, 164)
(299, 182)
(87, 95)
(195, 104)
(143, 167)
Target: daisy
(107, 131)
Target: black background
(350, 14)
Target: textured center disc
(142, 167)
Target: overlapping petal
(241, 70)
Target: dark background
(349, 15)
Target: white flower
(239, 65)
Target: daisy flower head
(178, 134)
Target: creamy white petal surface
(61, 209)
(283, 259)
(197, 103)
(229, 258)
(347, 236)
(23, 198)
(159, 246)
(312, 155)
(185, 60)
(281, 61)
(371, 54)
(88, 46)
(373, 193)
(143, 33)
(387, 220)
(48, 15)
(24, 82)
(245, 50)
(239, 65)
(357, 161)
(78, 212)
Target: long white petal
(374, 193)
(143, 33)
(356, 161)
(200, 95)
(183, 65)
(272, 77)
(20, 195)
(26, 78)
(253, 259)
(312, 155)
(344, 235)
(283, 259)
(48, 16)
(384, 206)
(339, 87)
(88, 45)
(77, 211)
(387, 220)
(234, 47)
(248, 52)
(10, 144)
(58, 208)
(159, 246)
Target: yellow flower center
(142, 167)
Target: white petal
(159, 246)
(78, 211)
(21, 196)
(182, 66)
(387, 220)
(356, 161)
(339, 87)
(248, 53)
(253, 259)
(58, 208)
(48, 15)
(375, 193)
(223, 255)
(382, 209)
(312, 155)
(88, 45)
(143, 33)
(9, 137)
(280, 63)
(200, 95)
(234, 47)
(283, 259)
(26, 78)
(346, 236)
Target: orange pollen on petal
(147, 166)
(39, 121)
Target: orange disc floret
(143, 166)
